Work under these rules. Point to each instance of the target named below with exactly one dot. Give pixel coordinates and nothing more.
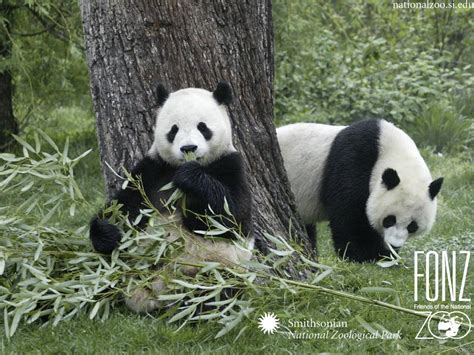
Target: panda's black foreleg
(204, 189)
(312, 234)
(358, 246)
(106, 236)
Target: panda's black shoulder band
(228, 164)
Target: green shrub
(464, 102)
(341, 61)
(442, 128)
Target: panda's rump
(305, 148)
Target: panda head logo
(193, 121)
(402, 207)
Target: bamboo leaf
(187, 311)
(37, 142)
(72, 210)
(242, 330)
(66, 150)
(5, 322)
(125, 184)
(16, 319)
(322, 276)
(48, 139)
(209, 266)
(210, 232)
(10, 157)
(168, 186)
(206, 316)
(2, 266)
(172, 297)
(184, 284)
(5, 182)
(365, 324)
(377, 290)
(229, 326)
(48, 216)
(281, 252)
(94, 311)
(24, 143)
(38, 251)
(387, 263)
(226, 207)
(27, 187)
(82, 155)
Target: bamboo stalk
(363, 299)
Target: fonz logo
(446, 325)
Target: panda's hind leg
(143, 300)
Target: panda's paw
(187, 174)
(356, 254)
(158, 286)
(105, 236)
(142, 301)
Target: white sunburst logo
(268, 323)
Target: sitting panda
(368, 179)
(188, 121)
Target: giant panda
(188, 121)
(368, 179)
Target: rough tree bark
(132, 45)
(8, 123)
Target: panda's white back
(305, 148)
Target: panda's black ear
(161, 94)
(435, 186)
(390, 178)
(223, 93)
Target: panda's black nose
(188, 148)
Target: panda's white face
(404, 210)
(191, 120)
(402, 199)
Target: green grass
(126, 332)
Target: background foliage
(341, 61)
(336, 62)
(47, 60)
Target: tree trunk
(8, 124)
(132, 45)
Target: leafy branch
(51, 274)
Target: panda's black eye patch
(172, 133)
(205, 131)
(389, 221)
(412, 227)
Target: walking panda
(188, 121)
(368, 179)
